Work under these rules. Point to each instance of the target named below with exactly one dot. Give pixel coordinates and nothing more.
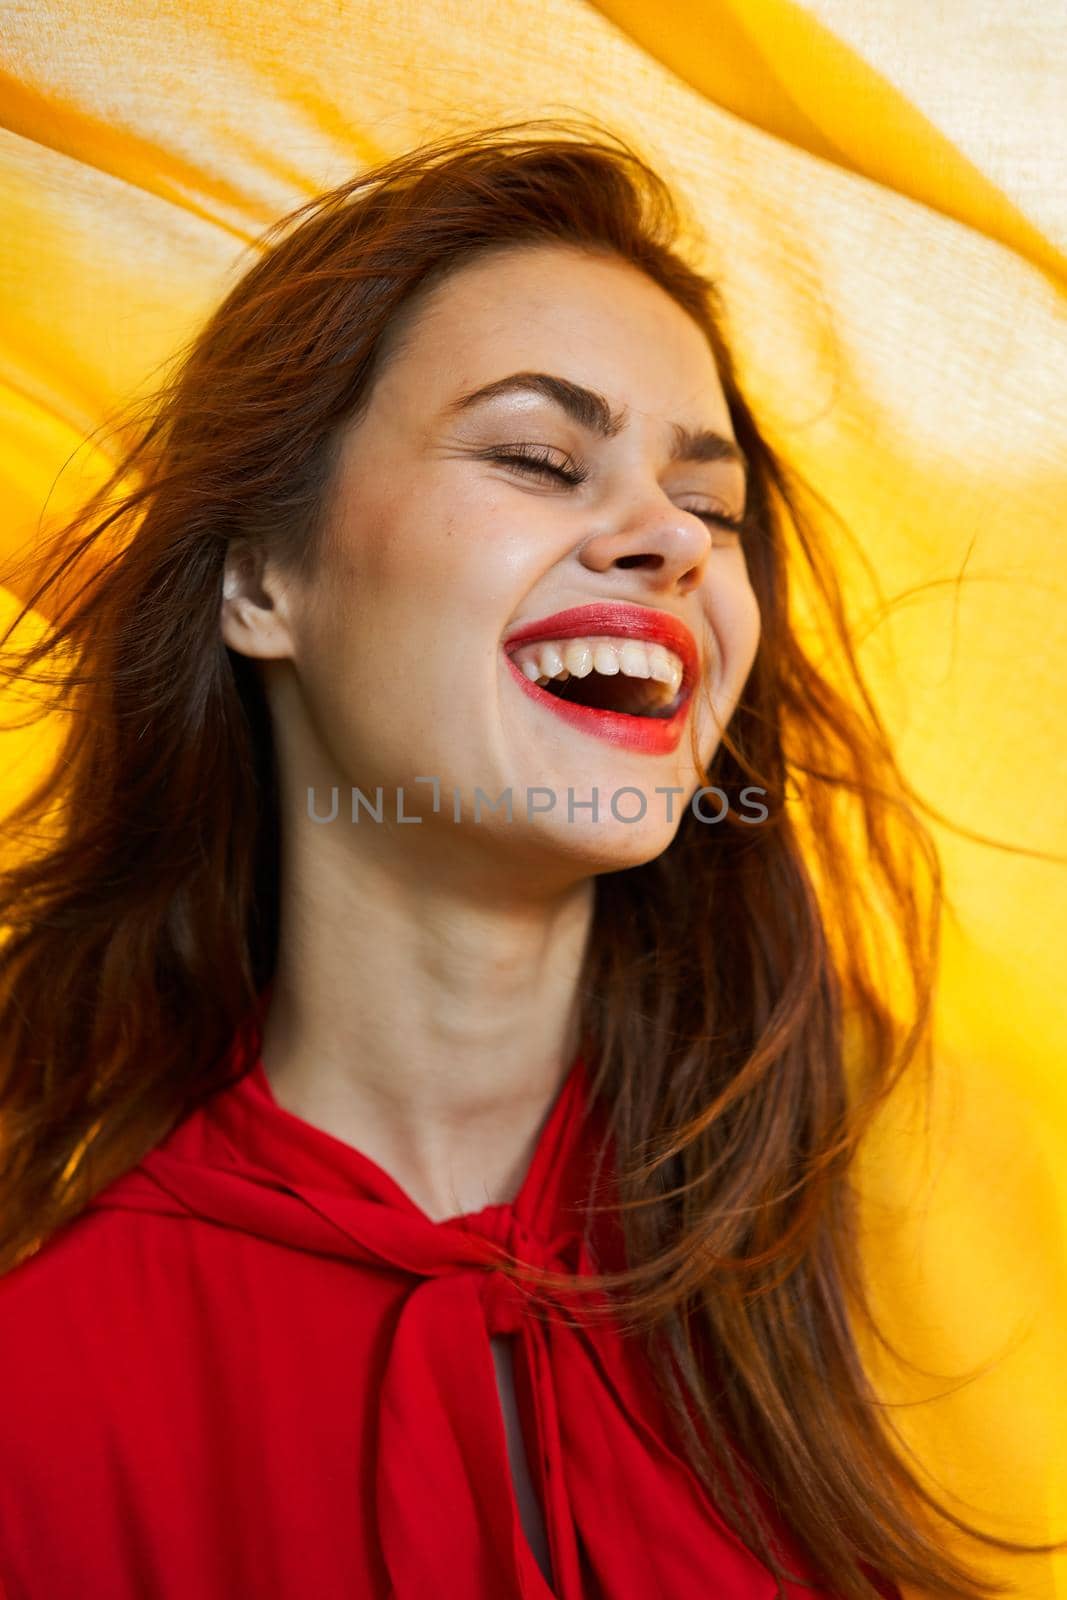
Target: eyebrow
(593, 412)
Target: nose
(668, 545)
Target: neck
(427, 1022)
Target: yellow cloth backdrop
(880, 184)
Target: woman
(426, 1121)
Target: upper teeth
(634, 658)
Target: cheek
(748, 626)
(388, 587)
(734, 619)
(424, 553)
(397, 632)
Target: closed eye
(539, 464)
(718, 519)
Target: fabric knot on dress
(504, 1303)
(500, 1225)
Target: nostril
(639, 561)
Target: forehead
(595, 319)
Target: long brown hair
(736, 987)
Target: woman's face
(442, 551)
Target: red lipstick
(650, 735)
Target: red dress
(254, 1369)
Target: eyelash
(574, 475)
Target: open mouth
(630, 677)
(612, 670)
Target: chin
(598, 847)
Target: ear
(255, 613)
